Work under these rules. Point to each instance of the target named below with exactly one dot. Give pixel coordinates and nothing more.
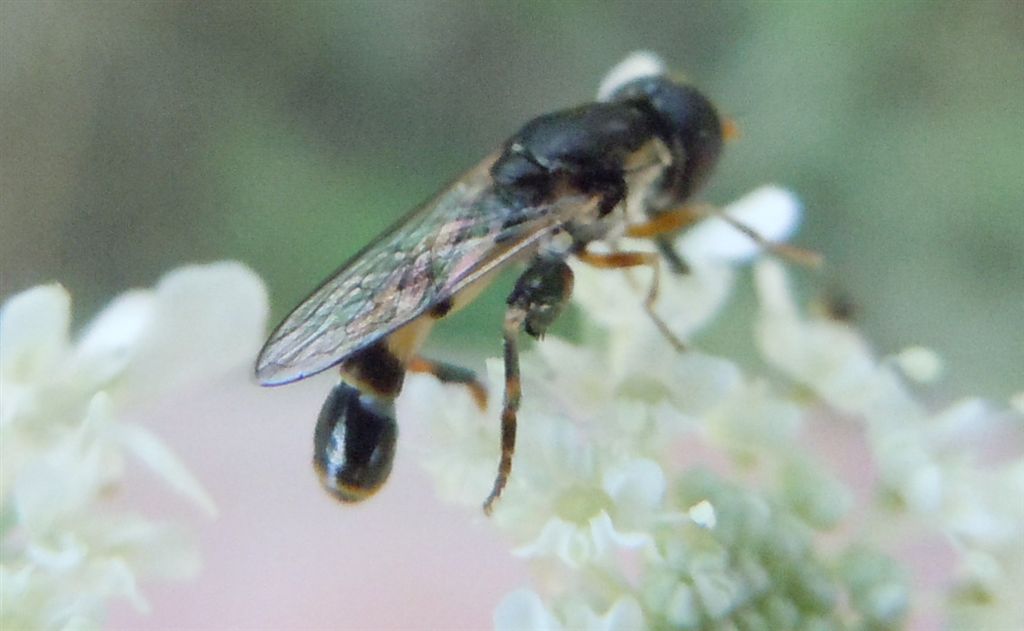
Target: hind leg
(538, 298)
(452, 373)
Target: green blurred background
(137, 136)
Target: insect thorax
(588, 146)
(610, 150)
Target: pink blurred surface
(281, 554)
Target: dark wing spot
(441, 309)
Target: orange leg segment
(685, 216)
(666, 223)
(621, 260)
(450, 373)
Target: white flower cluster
(658, 489)
(66, 548)
(934, 472)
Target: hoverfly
(623, 166)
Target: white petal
(773, 290)
(208, 318)
(52, 489)
(521, 610)
(636, 486)
(69, 476)
(828, 356)
(639, 64)
(682, 609)
(770, 211)
(562, 540)
(887, 603)
(703, 514)
(113, 577)
(688, 303)
(111, 339)
(719, 593)
(34, 330)
(58, 556)
(700, 381)
(151, 451)
(963, 422)
(607, 538)
(754, 419)
(615, 300)
(921, 364)
(150, 549)
(608, 296)
(81, 623)
(923, 489)
(815, 494)
(625, 615)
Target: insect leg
(514, 318)
(666, 222)
(660, 229)
(539, 296)
(684, 216)
(620, 260)
(676, 264)
(450, 373)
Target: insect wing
(464, 232)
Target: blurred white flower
(652, 488)
(703, 514)
(637, 65)
(524, 609)
(921, 364)
(1017, 402)
(63, 436)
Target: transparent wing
(430, 255)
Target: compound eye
(354, 443)
(689, 123)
